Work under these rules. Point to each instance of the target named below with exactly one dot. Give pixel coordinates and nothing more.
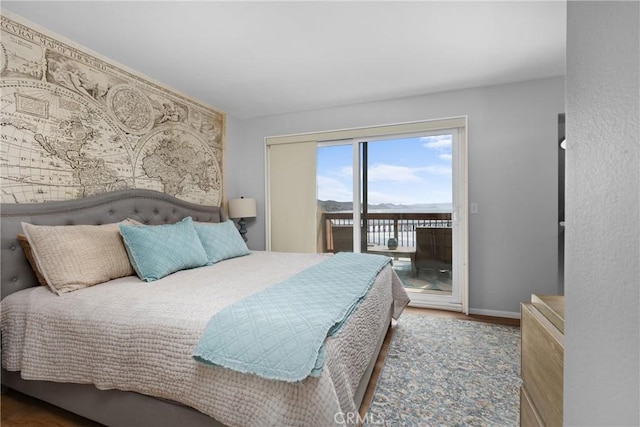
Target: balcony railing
(338, 227)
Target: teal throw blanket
(279, 333)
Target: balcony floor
(427, 282)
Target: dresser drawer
(542, 365)
(528, 415)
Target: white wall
(602, 246)
(512, 176)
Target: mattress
(129, 335)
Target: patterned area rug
(448, 372)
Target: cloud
(438, 170)
(445, 156)
(437, 142)
(345, 171)
(333, 189)
(330, 188)
(383, 172)
(395, 173)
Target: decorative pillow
(158, 250)
(72, 257)
(221, 240)
(28, 254)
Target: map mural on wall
(75, 125)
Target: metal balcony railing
(338, 227)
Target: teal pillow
(158, 250)
(221, 240)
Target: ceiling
(253, 59)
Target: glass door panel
(409, 206)
(334, 180)
(405, 196)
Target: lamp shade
(242, 208)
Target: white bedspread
(129, 335)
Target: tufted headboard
(146, 206)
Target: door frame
(454, 301)
(389, 131)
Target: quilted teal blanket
(279, 333)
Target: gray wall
(512, 176)
(602, 246)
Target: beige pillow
(73, 257)
(26, 248)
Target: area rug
(448, 372)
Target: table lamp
(242, 208)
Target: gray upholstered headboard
(146, 206)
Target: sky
(401, 171)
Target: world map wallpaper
(74, 124)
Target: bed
(95, 372)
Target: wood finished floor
(18, 410)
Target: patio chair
(433, 249)
(342, 238)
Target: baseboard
(495, 313)
(436, 306)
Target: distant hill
(333, 206)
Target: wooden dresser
(542, 361)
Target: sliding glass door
(403, 186)
(404, 197)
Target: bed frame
(109, 407)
